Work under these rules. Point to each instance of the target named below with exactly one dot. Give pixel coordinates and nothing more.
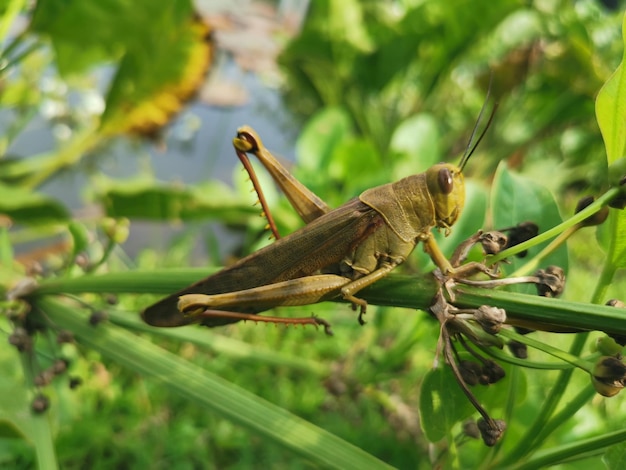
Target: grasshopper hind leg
(312, 320)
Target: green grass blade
(212, 392)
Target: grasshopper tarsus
(320, 321)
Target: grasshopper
(338, 253)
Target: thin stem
(554, 231)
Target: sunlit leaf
(161, 51)
(150, 87)
(611, 110)
(611, 115)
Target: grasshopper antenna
(471, 148)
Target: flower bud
(491, 430)
(594, 219)
(493, 242)
(520, 233)
(609, 376)
(551, 281)
(470, 372)
(490, 318)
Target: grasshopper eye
(445, 181)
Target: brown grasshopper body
(335, 255)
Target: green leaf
(84, 33)
(611, 110)
(416, 140)
(442, 403)
(515, 199)
(611, 115)
(27, 207)
(319, 138)
(615, 457)
(210, 391)
(148, 200)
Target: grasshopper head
(447, 191)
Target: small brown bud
(492, 373)
(490, 318)
(491, 430)
(493, 242)
(20, 338)
(470, 372)
(59, 366)
(609, 376)
(65, 336)
(470, 429)
(551, 281)
(40, 403)
(75, 382)
(594, 219)
(619, 202)
(519, 350)
(97, 317)
(520, 233)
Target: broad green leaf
(611, 115)
(153, 201)
(416, 140)
(356, 156)
(516, 199)
(319, 138)
(160, 48)
(611, 110)
(442, 403)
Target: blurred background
(116, 123)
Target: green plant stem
(545, 418)
(534, 263)
(554, 231)
(549, 457)
(574, 360)
(395, 290)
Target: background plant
(395, 92)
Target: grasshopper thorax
(447, 191)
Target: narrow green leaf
(210, 391)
